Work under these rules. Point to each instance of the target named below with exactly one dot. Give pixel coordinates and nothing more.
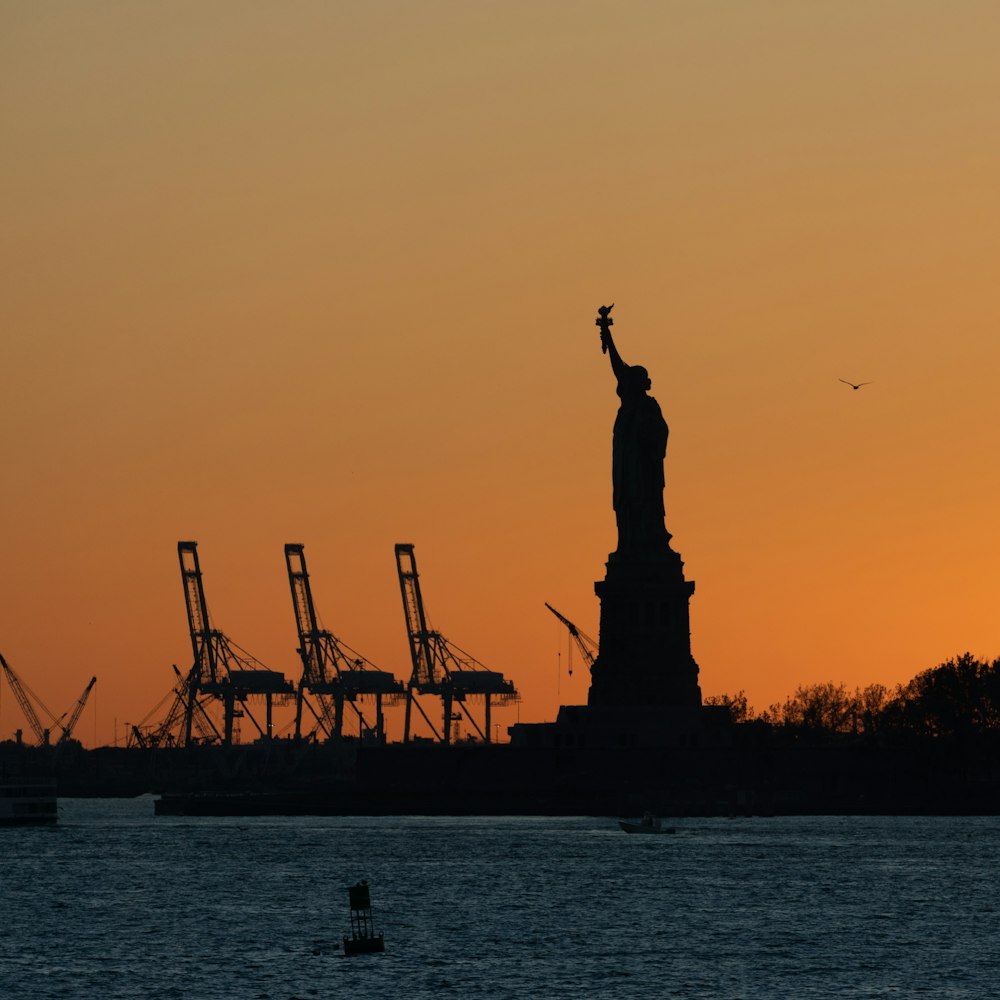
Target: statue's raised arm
(605, 322)
(630, 378)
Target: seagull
(852, 385)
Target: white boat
(648, 824)
(26, 803)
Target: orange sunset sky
(327, 273)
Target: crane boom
(311, 645)
(587, 646)
(20, 693)
(67, 729)
(423, 653)
(197, 612)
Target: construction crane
(147, 735)
(588, 648)
(77, 711)
(25, 696)
(21, 693)
(331, 670)
(221, 669)
(440, 668)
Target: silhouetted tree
(957, 697)
(870, 705)
(819, 708)
(740, 710)
(960, 696)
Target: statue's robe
(639, 448)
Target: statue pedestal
(645, 641)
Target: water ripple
(116, 905)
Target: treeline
(956, 698)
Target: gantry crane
(586, 645)
(221, 669)
(440, 668)
(25, 695)
(331, 670)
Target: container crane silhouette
(221, 669)
(440, 668)
(331, 670)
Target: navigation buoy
(363, 939)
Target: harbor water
(116, 903)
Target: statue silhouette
(638, 450)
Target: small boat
(363, 939)
(648, 824)
(28, 803)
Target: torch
(604, 321)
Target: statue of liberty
(638, 450)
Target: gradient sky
(327, 273)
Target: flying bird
(852, 385)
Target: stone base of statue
(645, 640)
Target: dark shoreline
(777, 774)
